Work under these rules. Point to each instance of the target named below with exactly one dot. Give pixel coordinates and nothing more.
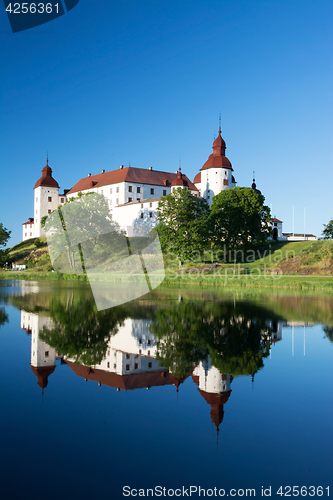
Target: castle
(134, 193)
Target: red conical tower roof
(47, 180)
(218, 158)
(179, 181)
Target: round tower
(46, 198)
(216, 174)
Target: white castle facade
(134, 193)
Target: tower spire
(47, 158)
(220, 123)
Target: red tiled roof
(218, 158)
(129, 174)
(274, 219)
(179, 181)
(47, 180)
(197, 178)
(30, 221)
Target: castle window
(130, 189)
(138, 190)
(208, 197)
(62, 200)
(136, 366)
(46, 354)
(49, 211)
(138, 199)
(127, 356)
(140, 341)
(150, 214)
(117, 190)
(25, 234)
(225, 182)
(115, 366)
(49, 198)
(148, 342)
(127, 367)
(129, 200)
(108, 365)
(148, 353)
(139, 351)
(30, 234)
(141, 215)
(275, 224)
(150, 365)
(151, 191)
(164, 192)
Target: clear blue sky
(113, 82)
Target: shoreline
(295, 282)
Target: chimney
(121, 166)
(89, 175)
(103, 171)
(150, 168)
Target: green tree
(239, 218)
(328, 231)
(4, 237)
(87, 219)
(182, 224)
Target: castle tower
(216, 174)
(46, 198)
(179, 182)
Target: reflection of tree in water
(3, 316)
(236, 338)
(328, 332)
(80, 332)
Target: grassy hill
(303, 258)
(33, 253)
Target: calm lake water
(179, 389)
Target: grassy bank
(304, 265)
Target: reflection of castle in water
(130, 362)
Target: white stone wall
(212, 182)
(42, 205)
(28, 231)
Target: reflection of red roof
(125, 382)
(47, 180)
(195, 379)
(216, 402)
(129, 174)
(218, 158)
(42, 374)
